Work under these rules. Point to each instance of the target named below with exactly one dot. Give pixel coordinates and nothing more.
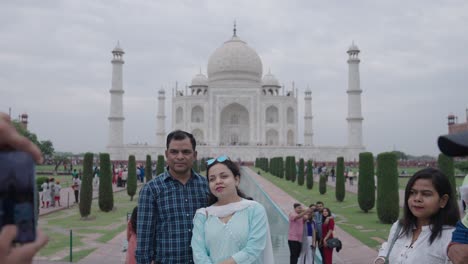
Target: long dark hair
(235, 171)
(449, 215)
(133, 218)
(329, 214)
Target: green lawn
(363, 226)
(104, 226)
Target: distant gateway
(234, 111)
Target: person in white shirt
(430, 215)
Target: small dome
(235, 60)
(24, 115)
(199, 80)
(270, 80)
(118, 49)
(353, 47)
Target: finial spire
(235, 30)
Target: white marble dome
(235, 60)
(270, 80)
(199, 80)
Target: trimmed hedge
(131, 177)
(340, 180)
(291, 168)
(86, 192)
(148, 169)
(310, 175)
(388, 199)
(160, 165)
(366, 182)
(446, 165)
(106, 195)
(323, 184)
(300, 173)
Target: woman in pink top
(131, 237)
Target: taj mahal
(238, 110)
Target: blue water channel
(278, 221)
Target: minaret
(354, 99)
(116, 117)
(161, 119)
(308, 134)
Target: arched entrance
(234, 122)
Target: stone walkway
(353, 252)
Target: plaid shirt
(166, 209)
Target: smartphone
(18, 203)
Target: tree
(340, 180)
(366, 182)
(300, 173)
(400, 155)
(106, 195)
(203, 164)
(59, 159)
(196, 168)
(322, 184)
(132, 177)
(47, 149)
(86, 193)
(446, 165)
(160, 165)
(310, 175)
(148, 169)
(291, 168)
(388, 199)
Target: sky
(55, 63)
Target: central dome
(235, 60)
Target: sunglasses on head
(221, 158)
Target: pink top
(296, 227)
(132, 241)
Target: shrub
(300, 173)
(281, 167)
(203, 164)
(388, 207)
(86, 193)
(131, 177)
(310, 175)
(340, 180)
(106, 195)
(366, 182)
(39, 182)
(148, 169)
(323, 184)
(195, 167)
(446, 165)
(160, 165)
(291, 168)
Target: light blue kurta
(243, 237)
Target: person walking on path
(131, 237)
(296, 229)
(76, 188)
(167, 205)
(332, 173)
(57, 190)
(45, 198)
(52, 191)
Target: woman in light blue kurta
(232, 229)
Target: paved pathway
(353, 252)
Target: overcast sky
(55, 63)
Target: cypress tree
(148, 169)
(300, 173)
(203, 164)
(310, 175)
(340, 180)
(281, 167)
(106, 195)
(322, 184)
(195, 167)
(287, 170)
(445, 164)
(366, 182)
(160, 165)
(132, 177)
(388, 199)
(293, 169)
(86, 193)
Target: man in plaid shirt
(167, 204)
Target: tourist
(45, 198)
(332, 173)
(309, 238)
(76, 188)
(57, 192)
(296, 230)
(52, 191)
(328, 226)
(456, 145)
(13, 253)
(96, 177)
(74, 174)
(167, 205)
(247, 239)
(429, 216)
(131, 237)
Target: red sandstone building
(454, 126)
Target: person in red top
(296, 229)
(327, 232)
(131, 237)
